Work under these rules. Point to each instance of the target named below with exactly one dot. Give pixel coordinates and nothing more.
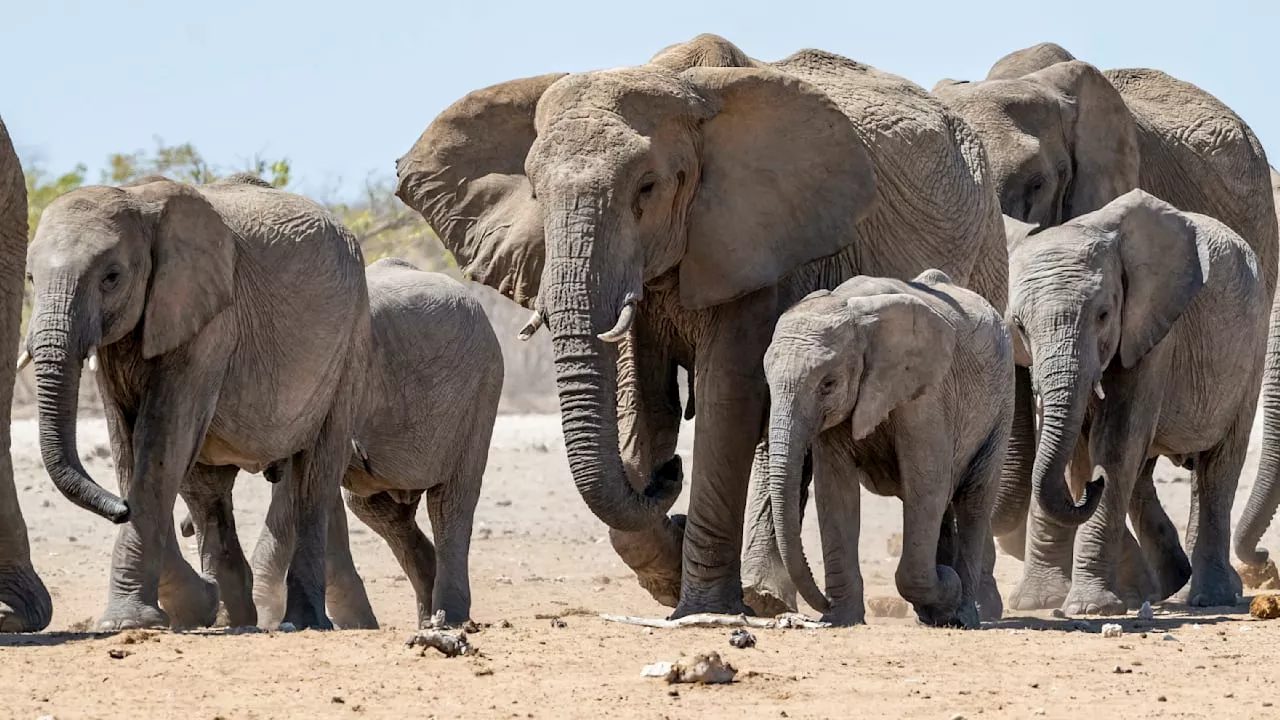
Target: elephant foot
(768, 602)
(1093, 601)
(1214, 588)
(1172, 573)
(1040, 594)
(25, 605)
(965, 617)
(725, 600)
(656, 557)
(191, 604)
(305, 609)
(846, 614)
(129, 615)
(348, 615)
(268, 600)
(990, 604)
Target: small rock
(1162, 699)
(1112, 630)
(957, 716)
(558, 623)
(1265, 607)
(888, 606)
(673, 693)
(1170, 638)
(742, 639)
(505, 624)
(1038, 711)
(503, 503)
(1122, 670)
(1058, 613)
(703, 668)
(502, 580)
(337, 700)
(118, 654)
(1145, 612)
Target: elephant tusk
(531, 327)
(92, 362)
(24, 359)
(1039, 404)
(1097, 390)
(623, 326)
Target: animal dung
(1265, 607)
(1260, 577)
(1112, 630)
(703, 669)
(742, 639)
(449, 644)
(888, 606)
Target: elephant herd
(1000, 301)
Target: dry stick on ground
(714, 620)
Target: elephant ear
(193, 262)
(1028, 60)
(784, 181)
(908, 348)
(465, 176)
(1165, 264)
(1101, 132)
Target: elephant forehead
(84, 219)
(643, 96)
(580, 140)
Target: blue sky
(344, 88)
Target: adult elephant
(1265, 496)
(24, 600)
(1063, 140)
(229, 320)
(680, 206)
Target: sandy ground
(538, 552)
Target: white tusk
(92, 362)
(531, 327)
(24, 359)
(1039, 404)
(1097, 390)
(623, 325)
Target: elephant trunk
(1058, 376)
(1264, 499)
(578, 310)
(789, 435)
(1014, 496)
(57, 363)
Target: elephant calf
(431, 399)
(902, 387)
(1146, 329)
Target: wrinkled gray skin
(1166, 312)
(1063, 140)
(1265, 496)
(24, 601)
(203, 304)
(902, 388)
(432, 346)
(681, 206)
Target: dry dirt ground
(538, 553)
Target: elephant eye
(646, 188)
(1103, 315)
(111, 279)
(827, 386)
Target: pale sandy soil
(539, 552)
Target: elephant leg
(171, 424)
(1014, 542)
(766, 584)
(975, 552)
(1119, 439)
(948, 539)
(1013, 499)
(451, 506)
(190, 599)
(648, 430)
(838, 491)
(345, 596)
(1157, 536)
(395, 523)
(990, 602)
(732, 407)
(274, 547)
(1214, 582)
(207, 494)
(1046, 569)
(1136, 581)
(25, 605)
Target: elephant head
(578, 190)
(144, 266)
(1060, 140)
(840, 363)
(1103, 288)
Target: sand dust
(539, 553)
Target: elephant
(901, 387)
(225, 320)
(432, 346)
(676, 208)
(25, 605)
(1265, 496)
(1063, 139)
(1147, 329)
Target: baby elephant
(1146, 329)
(431, 398)
(903, 387)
